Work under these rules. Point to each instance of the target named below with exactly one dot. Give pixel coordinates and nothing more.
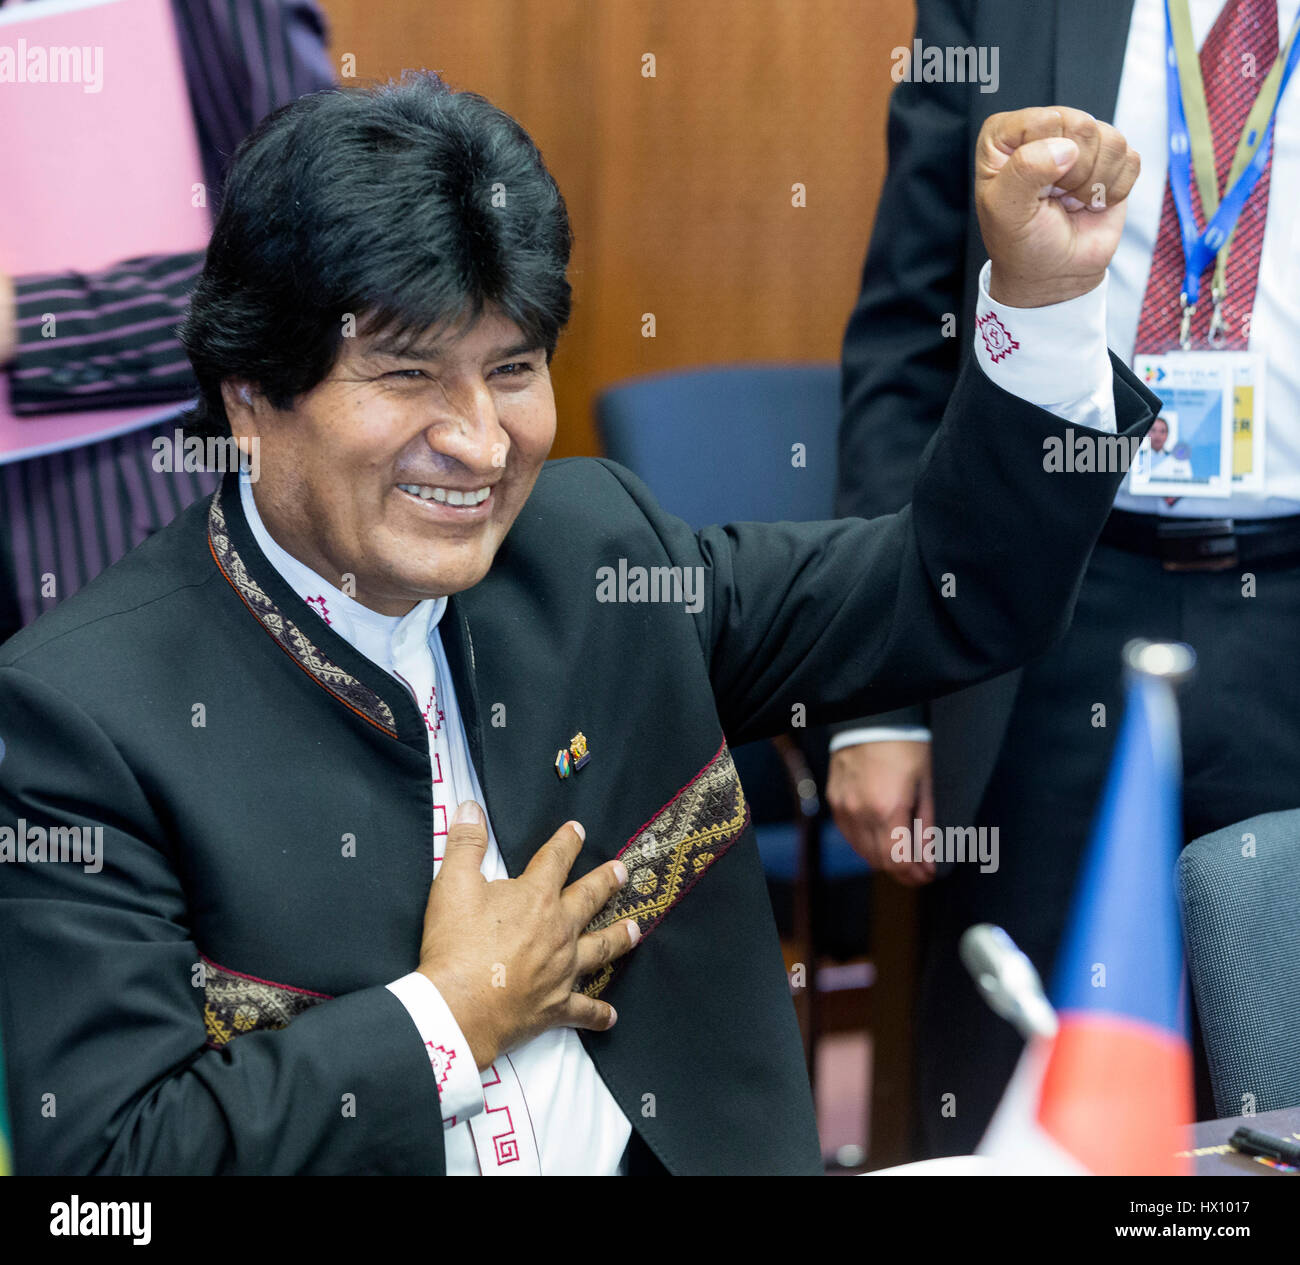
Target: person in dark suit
(71, 514)
(1026, 752)
(316, 728)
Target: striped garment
(67, 516)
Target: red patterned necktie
(1243, 39)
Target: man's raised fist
(1050, 184)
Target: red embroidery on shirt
(997, 338)
(439, 828)
(505, 1144)
(437, 711)
(442, 1059)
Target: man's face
(1159, 433)
(363, 475)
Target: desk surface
(1215, 1158)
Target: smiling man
(307, 949)
(355, 486)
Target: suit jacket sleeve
(898, 367)
(858, 616)
(115, 343)
(102, 1006)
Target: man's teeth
(448, 496)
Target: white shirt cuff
(1054, 356)
(879, 733)
(459, 1085)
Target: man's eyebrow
(398, 349)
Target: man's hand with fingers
(505, 955)
(1050, 184)
(875, 788)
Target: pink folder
(98, 167)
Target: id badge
(1209, 438)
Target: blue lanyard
(1200, 249)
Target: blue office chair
(716, 445)
(754, 443)
(1237, 888)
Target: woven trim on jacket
(235, 1003)
(671, 852)
(352, 693)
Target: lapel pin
(578, 748)
(570, 759)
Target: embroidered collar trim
(291, 638)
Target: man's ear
(245, 407)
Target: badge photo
(1189, 449)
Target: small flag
(1111, 1093)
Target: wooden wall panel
(679, 186)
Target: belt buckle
(1197, 544)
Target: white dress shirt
(1141, 117)
(541, 1108)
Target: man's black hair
(407, 207)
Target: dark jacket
(223, 840)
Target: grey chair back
(1239, 889)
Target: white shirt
(1164, 465)
(541, 1108)
(1141, 117)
